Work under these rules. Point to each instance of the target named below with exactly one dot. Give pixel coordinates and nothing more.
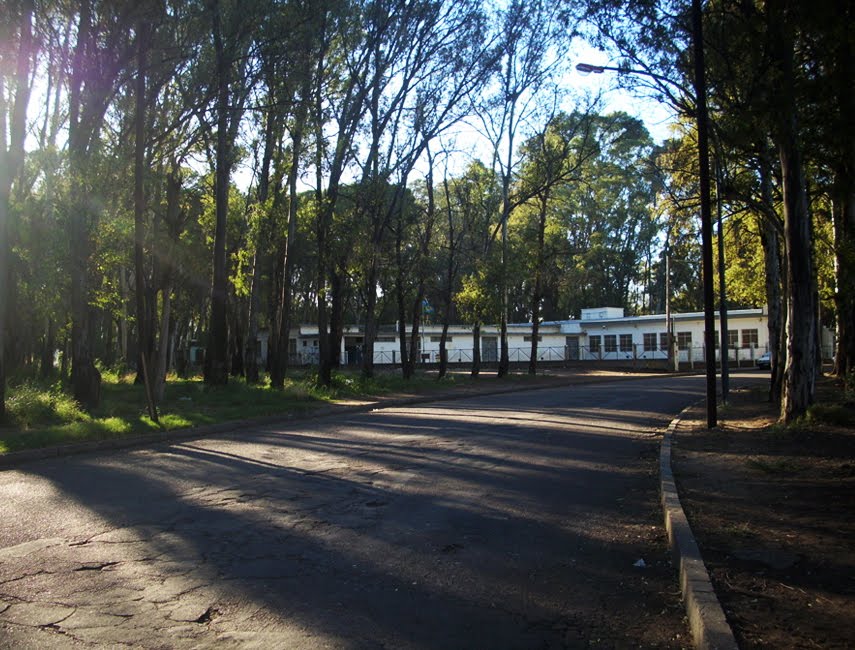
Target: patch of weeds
(30, 405)
(777, 466)
(741, 529)
(849, 385)
(842, 415)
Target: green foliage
(835, 414)
(32, 405)
(43, 414)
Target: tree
(470, 203)
(530, 35)
(553, 158)
(232, 26)
(101, 52)
(13, 115)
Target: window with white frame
(684, 340)
(626, 342)
(663, 341)
(595, 342)
(611, 342)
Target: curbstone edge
(708, 624)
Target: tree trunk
(403, 348)
(370, 333)
(11, 158)
(476, 349)
(800, 369)
(145, 309)
(770, 239)
(536, 296)
(450, 276)
(844, 214)
(163, 348)
(443, 351)
(337, 299)
(48, 350)
(216, 352)
(85, 378)
(251, 345)
(844, 262)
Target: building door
(353, 350)
(571, 348)
(489, 348)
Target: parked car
(764, 361)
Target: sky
(657, 117)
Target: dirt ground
(773, 510)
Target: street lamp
(701, 117)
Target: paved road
(506, 521)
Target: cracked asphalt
(525, 520)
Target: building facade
(601, 334)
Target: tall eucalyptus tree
(232, 26)
(102, 51)
(16, 61)
(532, 40)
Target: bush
(30, 405)
(835, 414)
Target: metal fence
(692, 357)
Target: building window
(663, 341)
(650, 342)
(385, 339)
(626, 342)
(611, 342)
(716, 339)
(749, 338)
(684, 340)
(527, 339)
(732, 339)
(595, 342)
(437, 339)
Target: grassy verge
(42, 415)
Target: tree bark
(844, 297)
(537, 291)
(800, 370)
(216, 352)
(145, 309)
(84, 121)
(476, 349)
(251, 345)
(11, 159)
(770, 238)
(844, 208)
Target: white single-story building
(601, 334)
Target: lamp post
(701, 117)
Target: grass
(836, 414)
(44, 414)
(775, 466)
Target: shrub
(30, 405)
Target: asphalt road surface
(525, 520)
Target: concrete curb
(16, 458)
(707, 621)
